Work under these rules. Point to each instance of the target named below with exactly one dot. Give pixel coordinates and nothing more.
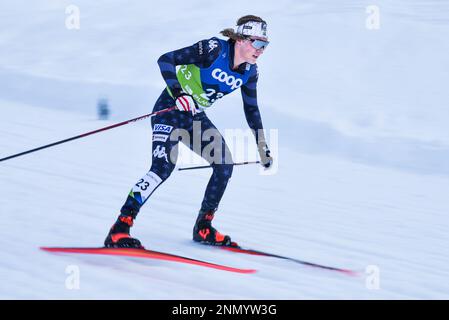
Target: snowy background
(362, 175)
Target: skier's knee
(162, 170)
(224, 171)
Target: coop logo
(162, 128)
(231, 81)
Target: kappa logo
(159, 152)
(162, 128)
(231, 81)
(212, 45)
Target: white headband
(252, 28)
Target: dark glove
(266, 160)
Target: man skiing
(207, 71)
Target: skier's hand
(185, 102)
(266, 160)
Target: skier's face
(253, 48)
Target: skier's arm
(252, 114)
(202, 54)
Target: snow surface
(361, 179)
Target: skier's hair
(230, 33)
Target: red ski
(143, 253)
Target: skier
(208, 70)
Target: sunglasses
(259, 44)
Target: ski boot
(119, 237)
(204, 233)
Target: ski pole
(88, 133)
(209, 166)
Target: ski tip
(351, 273)
(248, 271)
